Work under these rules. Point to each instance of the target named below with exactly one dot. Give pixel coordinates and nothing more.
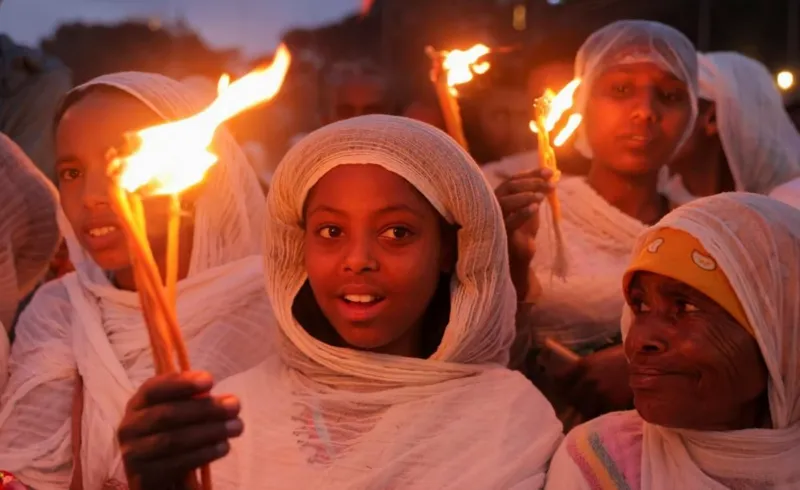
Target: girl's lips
(102, 238)
(354, 312)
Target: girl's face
(692, 365)
(635, 117)
(374, 252)
(85, 133)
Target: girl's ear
(449, 254)
(710, 121)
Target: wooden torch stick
(448, 103)
(155, 306)
(173, 247)
(547, 159)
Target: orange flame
(461, 66)
(169, 158)
(558, 104)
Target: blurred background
(358, 56)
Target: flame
(461, 66)
(572, 124)
(559, 104)
(172, 157)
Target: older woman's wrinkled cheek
(735, 357)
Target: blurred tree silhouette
(91, 50)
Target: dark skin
(84, 134)
(701, 163)
(634, 121)
(368, 232)
(692, 365)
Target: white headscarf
(756, 242)
(91, 325)
(340, 418)
(760, 142)
(28, 234)
(634, 41)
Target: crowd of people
(381, 310)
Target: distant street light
(785, 80)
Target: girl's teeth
(360, 298)
(105, 230)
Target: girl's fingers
(177, 465)
(180, 441)
(516, 202)
(170, 387)
(520, 185)
(519, 218)
(170, 416)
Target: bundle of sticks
(158, 297)
(547, 159)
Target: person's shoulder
(51, 301)
(608, 447)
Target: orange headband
(678, 255)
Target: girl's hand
(173, 426)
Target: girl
(638, 99)
(387, 268)
(89, 323)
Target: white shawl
(83, 324)
(337, 418)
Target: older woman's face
(635, 117)
(692, 365)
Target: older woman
(712, 336)
(744, 139)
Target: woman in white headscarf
(743, 140)
(712, 332)
(387, 268)
(89, 323)
(638, 100)
(28, 235)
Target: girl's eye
(673, 96)
(620, 89)
(397, 233)
(68, 174)
(330, 232)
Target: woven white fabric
(760, 142)
(756, 242)
(627, 42)
(337, 418)
(583, 310)
(28, 232)
(82, 323)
